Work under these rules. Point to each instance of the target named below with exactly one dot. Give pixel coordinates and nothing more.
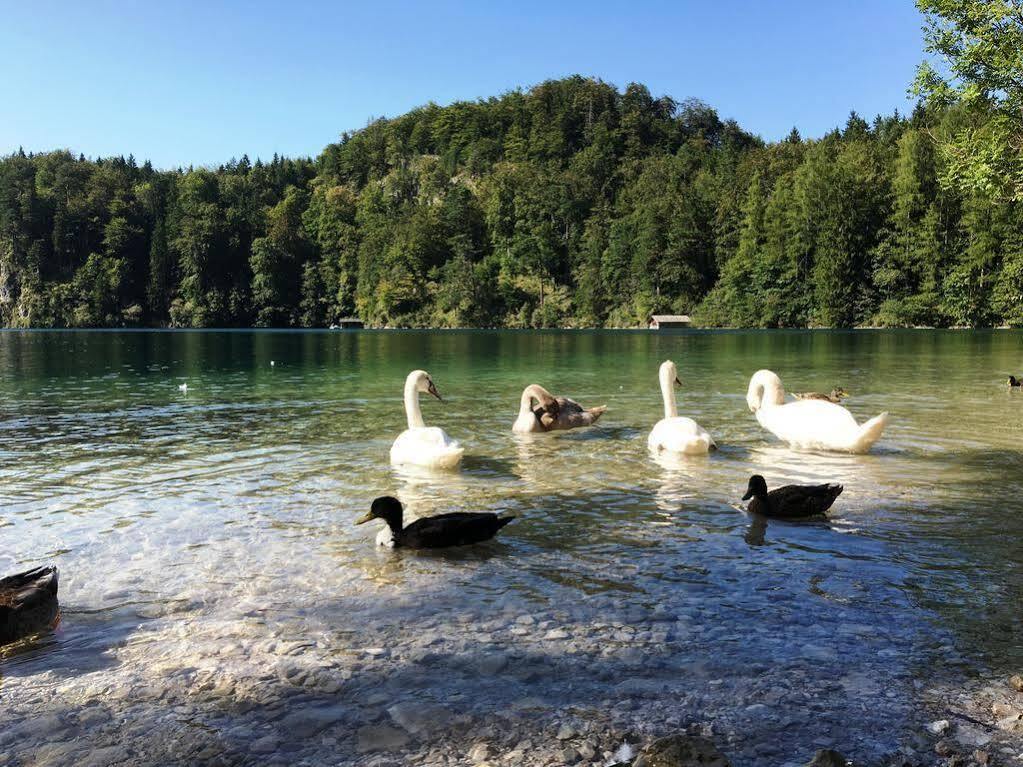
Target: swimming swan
(674, 433)
(422, 445)
(553, 413)
(809, 424)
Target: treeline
(572, 204)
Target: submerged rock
(827, 757)
(682, 751)
(379, 737)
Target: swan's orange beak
(433, 390)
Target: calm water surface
(211, 533)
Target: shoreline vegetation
(570, 204)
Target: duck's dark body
(455, 529)
(28, 603)
(790, 501)
(458, 528)
(1014, 382)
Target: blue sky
(198, 83)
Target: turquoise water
(206, 539)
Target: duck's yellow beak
(364, 518)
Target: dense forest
(570, 204)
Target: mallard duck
(441, 531)
(421, 445)
(1014, 383)
(809, 424)
(28, 603)
(552, 413)
(790, 501)
(836, 395)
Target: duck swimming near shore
(441, 531)
(1014, 383)
(836, 395)
(552, 413)
(28, 603)
(790, 501)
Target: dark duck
(28, 603)
(441, 531)
(790, 501)
(1014, 383)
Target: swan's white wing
(426, 446)
(818, 424)
(679, 435)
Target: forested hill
(571, 204)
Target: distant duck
(790, 501)
(552, 413)
(809, 424)
(28, 603)
(183, 388)
(674, 433)
(272, 363)
(422, 445)
(837, 395)
(1014, 383)
(441, 531)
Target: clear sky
(201, 82)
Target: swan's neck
(412, 411)
(765, 390)
(668, 395)
(526, 403)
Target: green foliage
(980, 43)
(571, 204)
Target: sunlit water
(219, 604)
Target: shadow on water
(82, 643)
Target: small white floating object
(272, 363)
(183, 387)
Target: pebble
(417, 718)
(566, 732)
(939, 727)
(379, 738)
(556, 634)
(479, 753)
(265, 745)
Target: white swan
(530, 420)
(809, 424)
(674, 433)
(553, 413)
(422, 445)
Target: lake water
(220, 606)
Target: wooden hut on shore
(665, 321)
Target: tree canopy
(569, 204)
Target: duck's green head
(757, 487)
(386, 508)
